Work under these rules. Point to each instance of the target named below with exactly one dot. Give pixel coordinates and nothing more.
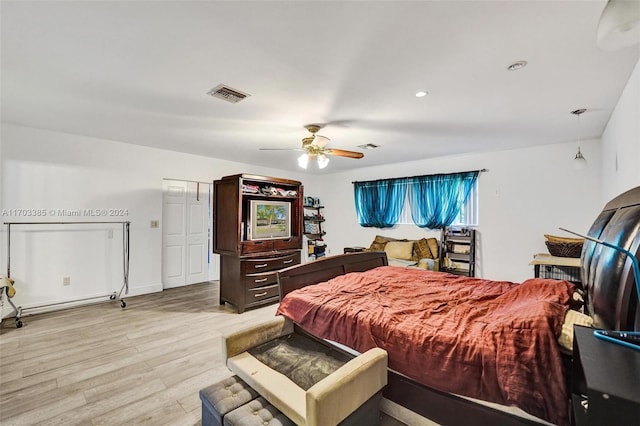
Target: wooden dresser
(250, 282)
(249, 263)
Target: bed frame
(441, 407)
(607, 278)
(607, 275)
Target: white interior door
(185, 230)
(173, 233)
(197, 243)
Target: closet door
(185, 230)
(197, 239)
(174, 233)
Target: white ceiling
(138, 72)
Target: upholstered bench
(222, 398)
(305, 378)
(256, 413)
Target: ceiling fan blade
(343, 153)
(280, 149)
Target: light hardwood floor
(103, 365)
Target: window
(468, 215)
(428, 201)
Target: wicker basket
(564, 249)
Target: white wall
(621, 142)
(526, 193)
(51, 171)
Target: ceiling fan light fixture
(320, 140)
(619, 25)
(323, 161)
(303, 161)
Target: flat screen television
(269, 220)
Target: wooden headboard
(326, 268)
(607, 275)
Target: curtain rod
(417, 176)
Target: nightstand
(605, 388)
(557, 268)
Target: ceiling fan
(315, 146)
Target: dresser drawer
(291, 243)
(262, 246)
(261, 293)
(260, 279)
(252, 266)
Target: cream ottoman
(306, 379)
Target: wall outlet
(155, 224)
(66, 280)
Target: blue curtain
(379, 203)
(436, 200)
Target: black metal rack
(313, 230)
(458, 253)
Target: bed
(327, 300)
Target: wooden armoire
(253, 247)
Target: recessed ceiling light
(422, 94)
(517, 65)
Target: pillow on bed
(399, 249)
(428, 264)
(434, 247)
(572, 318)
(422, 250)
(379, 243)
(401, 263)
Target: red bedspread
(492, 340)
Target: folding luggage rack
(112, 296)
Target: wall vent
(228, 94)
(369, 146)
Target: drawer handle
(260, 294)
(287, 261)
(260, 280)
(264, 265)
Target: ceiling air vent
(369, 146)
(228, 94)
